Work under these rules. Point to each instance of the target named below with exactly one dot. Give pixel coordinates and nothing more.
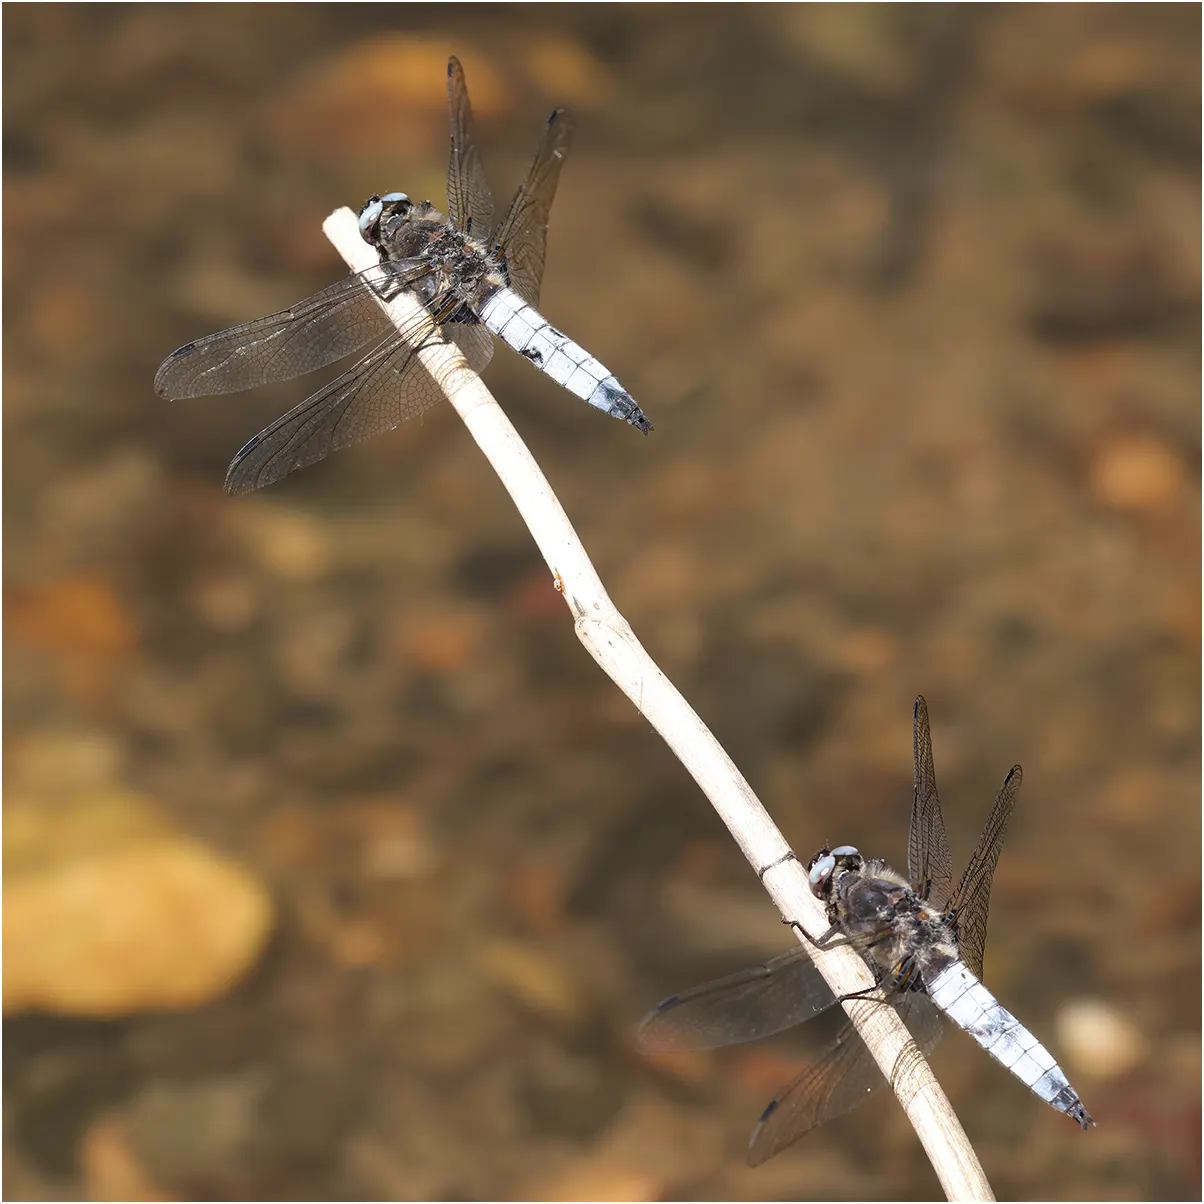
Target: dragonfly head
(827, 863)
(376, 208)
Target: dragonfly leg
(865, 993)
(829, 940)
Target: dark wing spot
(534, 355)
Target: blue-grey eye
(820, 872)
(369, 216)
(845, 850)
(394, 196)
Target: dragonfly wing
(311, 334)
(929, 865)
(474, 341)
(523, 234)
(971, 901)
(469, 200)
(746, 1006)
(841, 1077)
(386, 388)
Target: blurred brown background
(334, 868)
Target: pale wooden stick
(611, 642)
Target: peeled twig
(611, 642)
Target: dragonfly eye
(374, 209)
(845, 850)
(820, 872)
(397, 204)
(370, 218)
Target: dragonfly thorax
(401, 229)
(876, 906)
(398, 227)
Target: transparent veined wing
(469, 200)
(311, 334)
(745, 1006)
(387, 387)
(523, 235)
(971, 901)
(840, 1078)
(929, 866)
(474, 341)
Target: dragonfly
(474, 279)
(923, 939)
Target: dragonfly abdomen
(971, 1006)
(535, 338)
